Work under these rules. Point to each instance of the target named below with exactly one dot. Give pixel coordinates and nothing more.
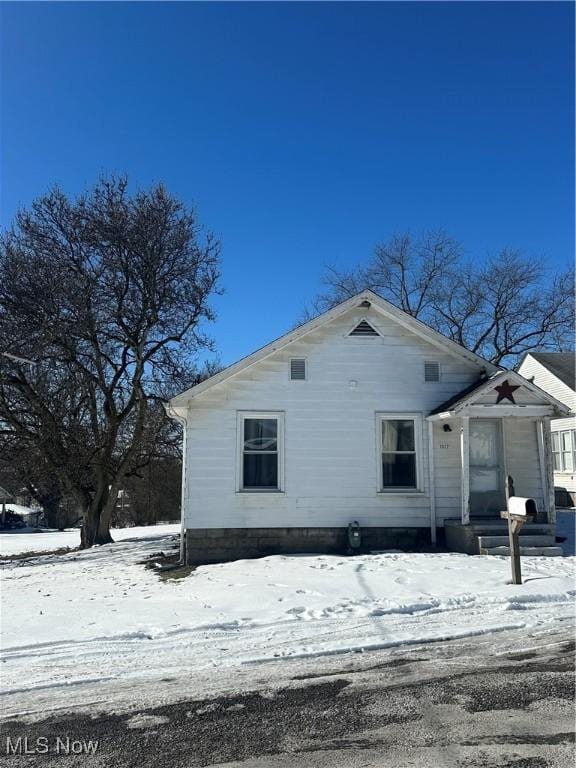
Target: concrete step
(524, 551)
(531, 540)
(529, 529)
(498, 526)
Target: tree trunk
(96, 523)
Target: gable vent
(298, 369)
(364, 329)
(431, 370)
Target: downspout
(181, 420)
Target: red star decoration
(505, 391)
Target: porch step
(500, 528)
(496, 527)
(490, 536)
(526, 540)
(524, 551)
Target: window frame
(417, 418)
(561, 453)
(556, 453)
(241, 418)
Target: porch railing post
(465, 461)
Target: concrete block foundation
(215, 545)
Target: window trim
(241, 416)
(561, 452)
(417, 418)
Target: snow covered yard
(100, 615)
(18, 541)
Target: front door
(487, 497)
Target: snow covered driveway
(100, 615)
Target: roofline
(489, 384)
(545, 367)
(384, 306)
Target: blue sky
(304, 133)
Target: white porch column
(432, 488)
(549, 491)
(539, 426)
(465, 462)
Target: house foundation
(214, 545)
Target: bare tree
(499, 308)
(108, 294)
(30, 476)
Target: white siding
(331, 462)
(447, 471)
(546, 380)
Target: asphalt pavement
(433, 707)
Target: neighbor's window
(564, 450)
(556, 455)
(399, 453)
(260, 452)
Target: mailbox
(519, 511)
(520, 507)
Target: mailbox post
(518, 512)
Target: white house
(362, 414)
(554, 372)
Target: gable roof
(560, 364)
(460, 397)
(469, 395)
(366, 298)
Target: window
(564, 450)
(399, 452)
(556, 455)
(260, 441)
(431, 370)
(298, 369)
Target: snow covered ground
(99, 616)
(17, 541)
(18, 509)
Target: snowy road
(496, 701)
(99, 621)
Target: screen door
(487, 497)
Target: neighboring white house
(555, 373)
(362, 414)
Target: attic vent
(431, 370)
(363, 329)
(298, 369)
